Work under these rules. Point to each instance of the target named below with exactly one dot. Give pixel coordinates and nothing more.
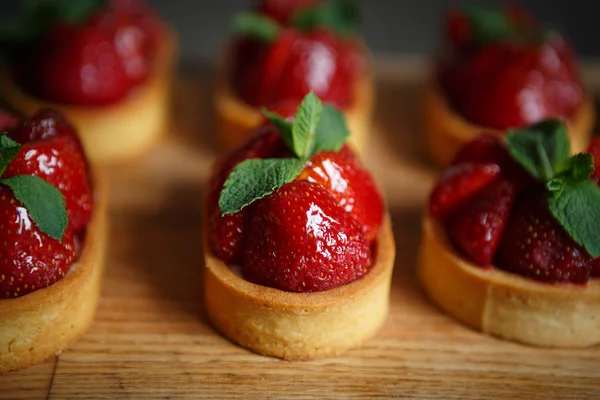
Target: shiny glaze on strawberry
(509, 82)
(93, 63)
(296, 63)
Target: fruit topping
(283, 11)
(294, 190)
(45, 202)
(317, 244)
(543, 227)
(273, 63)
(86, 54)
(502, 70)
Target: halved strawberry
(458, 184)
(477, 225)
(51, 150)
(342, 174)
(300, 240)
(30, 259)
(536, 246)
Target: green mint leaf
(342, 16)
(556, 185)
(44, 202)
(76, 11)
(488, 24)
(256, 178)
(284, 127)
(257, 26)
(576, 209)
(332, 131)
(305, 125)
(581, 167)
(8, 150)
(542, 149)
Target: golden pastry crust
(446, 131)
(236, 119)
(119, 131)
(43, 323)
(300, 326)
(506, 304)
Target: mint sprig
(573, 197)
(342, 16)
(488, 24)
(316, 127)
(44, 202)
(255, 25)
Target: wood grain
(151, 339)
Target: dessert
(500, 69)
(53, 219)
(509, 243)
(298, 248)
(107, 66)
(267, 63)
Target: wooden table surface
(151, 338)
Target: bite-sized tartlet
(52, 236)
(106, 65)
(510, 240)
(268, 62)
(499, 69)
(298, 247)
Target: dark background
(397, 27)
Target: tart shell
(446, 131)
(41, 324)
(505, 304)
(119, 131)
(300, 326)
(236, 119)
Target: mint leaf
(257, 26)
(256, 178)
(284, 127)
(542, 149)
(581, 167)
(76, 11)
(488, 24)
(44, 202)
(338, 15)
(576, 209)
(8, 150)
(332, 131)
(305, 125)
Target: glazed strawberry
(535, 245)
(458, 184)
(478, 224)
(51, 150)
(352, 186)
(31, 259)
(226, 230)
(283, 10)
(511, 76)
(317, 244)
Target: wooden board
(151, 338)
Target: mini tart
(446, 131)
(41, 324)
(506, 304)
(300, 326)
(236, 119)
(119, 131)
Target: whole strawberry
(51, 150)
(31, 259)
(299, 240)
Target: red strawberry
(536, 246)
(51, 150)
(30, 259)
(458, 29)
(225, 231)
(458, 184)
(300, 240)
(8, 120)
(283, 10)
(352, 186)
(477, 225)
